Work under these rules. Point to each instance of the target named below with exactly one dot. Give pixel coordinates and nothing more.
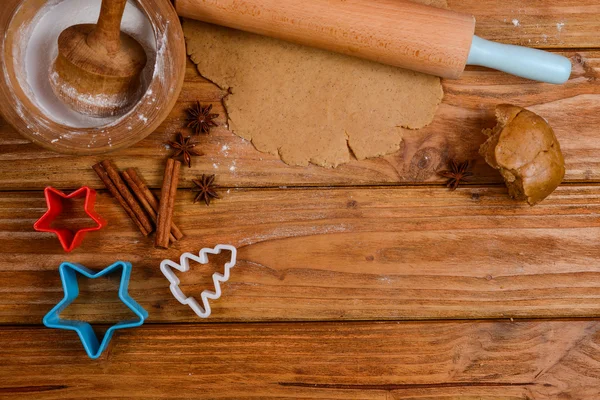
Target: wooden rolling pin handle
(395, 32)
(107, 33)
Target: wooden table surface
(369, 281)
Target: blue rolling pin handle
(520, 61)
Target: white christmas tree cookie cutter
(167, 267)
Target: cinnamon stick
(103, 175)
(124, 191)
(167, 203)
(137, 191)
(151, 199)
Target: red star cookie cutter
(55, 199)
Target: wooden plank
(383, 361)
(539, 23)
(573, 109)
(337, 254)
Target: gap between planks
(400, 185)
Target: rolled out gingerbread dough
(309, 105)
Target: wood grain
(334, 254)
(538, 23)
(382, 361)
(572, 109)
(330, 254)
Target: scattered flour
(225, 150)
(516, 22)
(39, 49)
(559, 26)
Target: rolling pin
(396, 32)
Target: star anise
(185, 146)
(200, 119)
(459, 172)
(205, 188)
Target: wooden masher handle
(108, 29)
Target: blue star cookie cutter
(91, 343)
